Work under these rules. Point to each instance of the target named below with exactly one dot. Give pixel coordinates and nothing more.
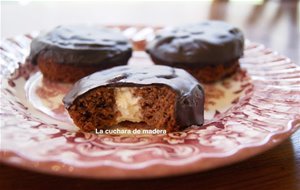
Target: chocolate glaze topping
(79, 45)
(198, 45)
(190, 94)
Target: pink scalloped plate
(245, 115)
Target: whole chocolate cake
(154, 97)
(208, 50)
(68, 53)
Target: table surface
(270, 23)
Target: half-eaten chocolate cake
(147, 97)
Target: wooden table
(278, 168)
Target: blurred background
(274, 23)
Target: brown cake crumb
(150, 106)
(210, 74)
(64, 72)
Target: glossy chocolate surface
(190, 94)
(80, 45)
(198, 45)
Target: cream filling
(127, 105)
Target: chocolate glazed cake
(148, 97)
(208, 50)
(68, 53)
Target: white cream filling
(127, 105)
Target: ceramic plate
(245, 114)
